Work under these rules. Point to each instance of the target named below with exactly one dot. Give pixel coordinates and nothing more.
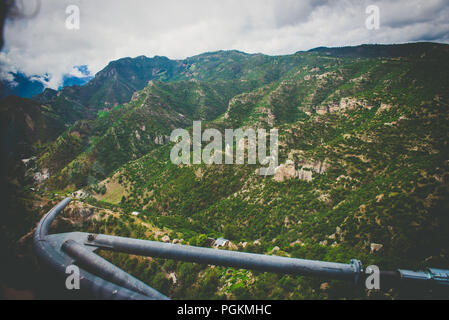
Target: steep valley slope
(363, 166)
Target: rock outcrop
(305, 172)
(344, 105)
(78, 212)
(40, 177)
(376, 247)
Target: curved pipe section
(108, 271)
(47, 220)
(58, 261)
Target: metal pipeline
(46, 221)
(107, 270)
(58, 261)
(109, 282)
(234, 259)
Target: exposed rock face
(352, 103)
(316, 166)
(345, 104)
(383, 107)
(297, 242)
(135, 96)
(199, 173)
(288, 170)
(80, 194)
(29, 121)
(305, 175)
(324, 286)
(243, 244)
(40, 177)
(172, 276)
(375, 247)
(275, 249)
(78, 213)
(29, 161)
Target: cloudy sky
(112, 29)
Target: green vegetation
(369, 125)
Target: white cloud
(111, 30)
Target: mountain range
(363, 172)
(25, 86)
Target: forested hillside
(363, 169)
